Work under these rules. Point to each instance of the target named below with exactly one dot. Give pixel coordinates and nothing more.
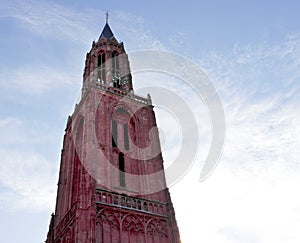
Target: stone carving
(132, 223)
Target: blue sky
(250, 51)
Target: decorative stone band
(129, 202)
(130, 95)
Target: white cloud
(52, 20)
(28, 179)
(252, 196)
(134, 32)
(235, 206)
(10, 131)
(262, 123)
(38, 79)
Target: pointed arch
(108, 226)
(131, 222)
(101, 69)
(108, 216)
(156, 228)
(126, 118)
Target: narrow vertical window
(115, 61)
(115, 70)
(126, 138)
(114, 135)
(101, 67)
(122, 169)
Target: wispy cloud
(38, 79)
(251, 197)
(261, 96)
(52, 20)
(134, 32)
(27, 178)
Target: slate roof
(106, 32)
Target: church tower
(111, 185)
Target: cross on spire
(106, 15)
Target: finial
(106, 15)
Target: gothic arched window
(101, 68)
(116, 77)
(120, 141)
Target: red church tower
(111, 185)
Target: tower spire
(106, 16)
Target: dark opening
(101, 67)
(145, 206)
(133, 203)
(122, 201)
(114, 137)
(115, 199)
(116, 83)
(122, 169)
(139, 204)
(101, 60)
(116, 78)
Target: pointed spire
(106, 32)
(107, 15)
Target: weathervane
(106, 15)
